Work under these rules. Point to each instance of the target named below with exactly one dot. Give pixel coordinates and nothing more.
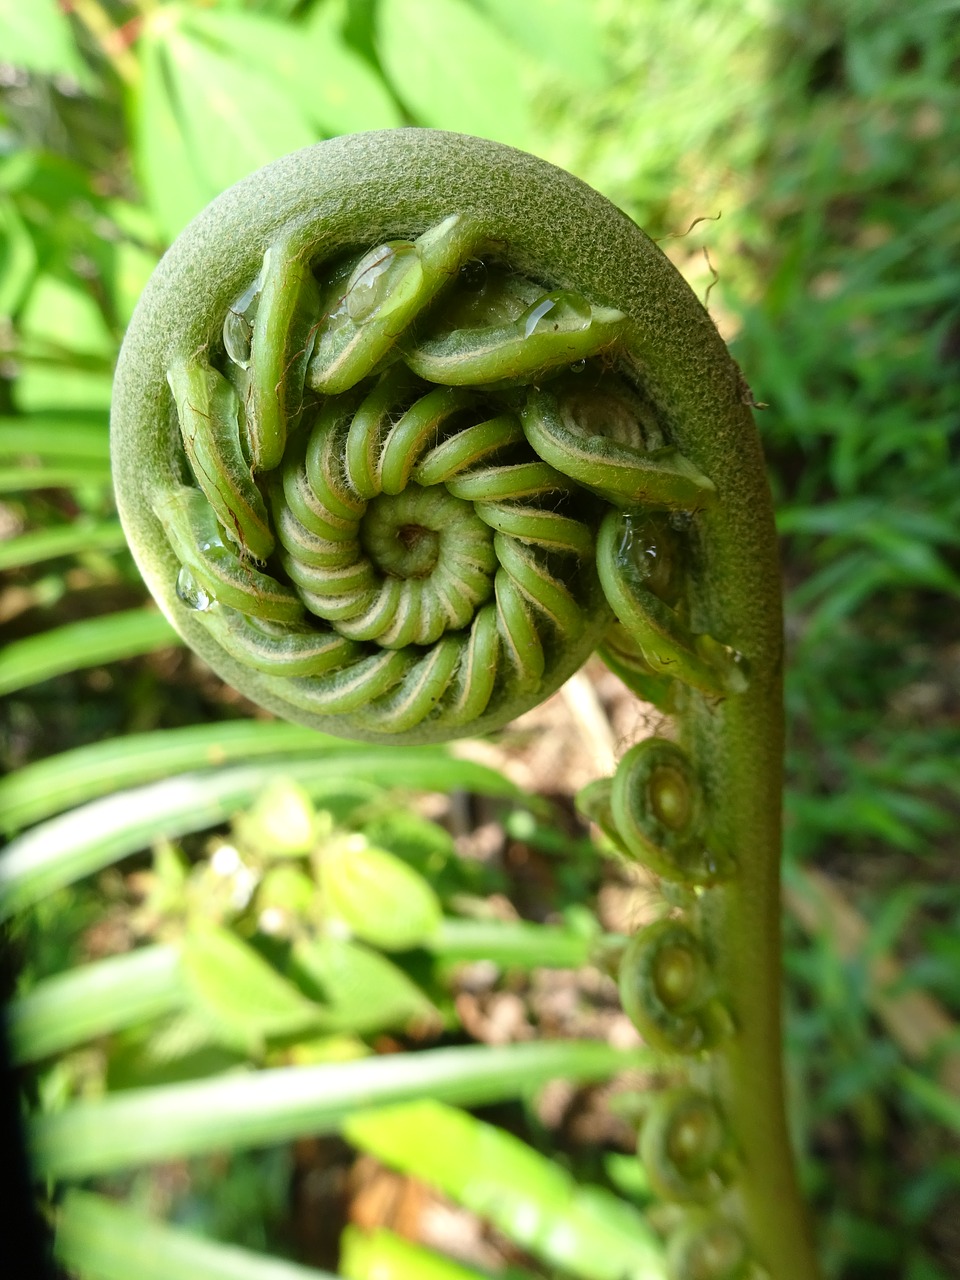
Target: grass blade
(66, 436)
(60, 782)
(516, 944)
(83, 644)
(94, 1000)
(54, 475)
(74, 777)
(102, 1240)
(66, 540)
(138, 1126)
(89, 838)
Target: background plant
(826, 138)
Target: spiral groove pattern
(401, 468)
(404, 427)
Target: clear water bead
(368, 286)
(189, 590)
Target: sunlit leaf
(37, 36)
(50, 786)
(102, 1240)
(18, 260)
(382, 1255)
(83, 644)
(244, 997)
(455, 70)
(332, 87)
(173, 179)
(380, 897)
(256, 1108)
(60, 540)
(562, 34)
(362, 990)
(585, 1231)
(77, 844)
(95, 999)
(221, 116)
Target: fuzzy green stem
(463, 414)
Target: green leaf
(583, 1230)
(94, 1000)
(60, 782)
(234, 117)
(362, 990)
(173, 180)
(18, 260)
(380, 897)
(37, 36)
(76, 475)
(280, 823)
(346, 97)
(57, 437)
(562, 34)
(454, 70)
(940, 1105)
(77, 844)
(62, 315)
(208, 111)
(382, 1255)
(517, 944)
(140, 1126)
(67, 349)
(244, 998)
(102, 1240)
(83, 644)
(62, 540)
(50, 786)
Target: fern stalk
(408, 424)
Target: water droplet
(238, 323)
(237, 335)
(189, 590)
(557, 313)
(532, 317)
(573, 312)
(648, 545)
(578, 366)
(369, 282)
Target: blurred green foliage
(800, 161)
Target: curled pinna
(391, 439)
(407, 425)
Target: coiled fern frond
(405, 427)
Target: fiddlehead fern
(406, 426)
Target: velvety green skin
(361, 190)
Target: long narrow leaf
(586, 1231)
(50, 786)
(60, 782)
(77, 844)
(68, 437)
(94, 1000)
(942, 1106)
(102, 1240)
(83, 644)
(66, 540)
(53, 475)
(515, 944)
(139, 1126)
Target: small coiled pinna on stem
(406, 426)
